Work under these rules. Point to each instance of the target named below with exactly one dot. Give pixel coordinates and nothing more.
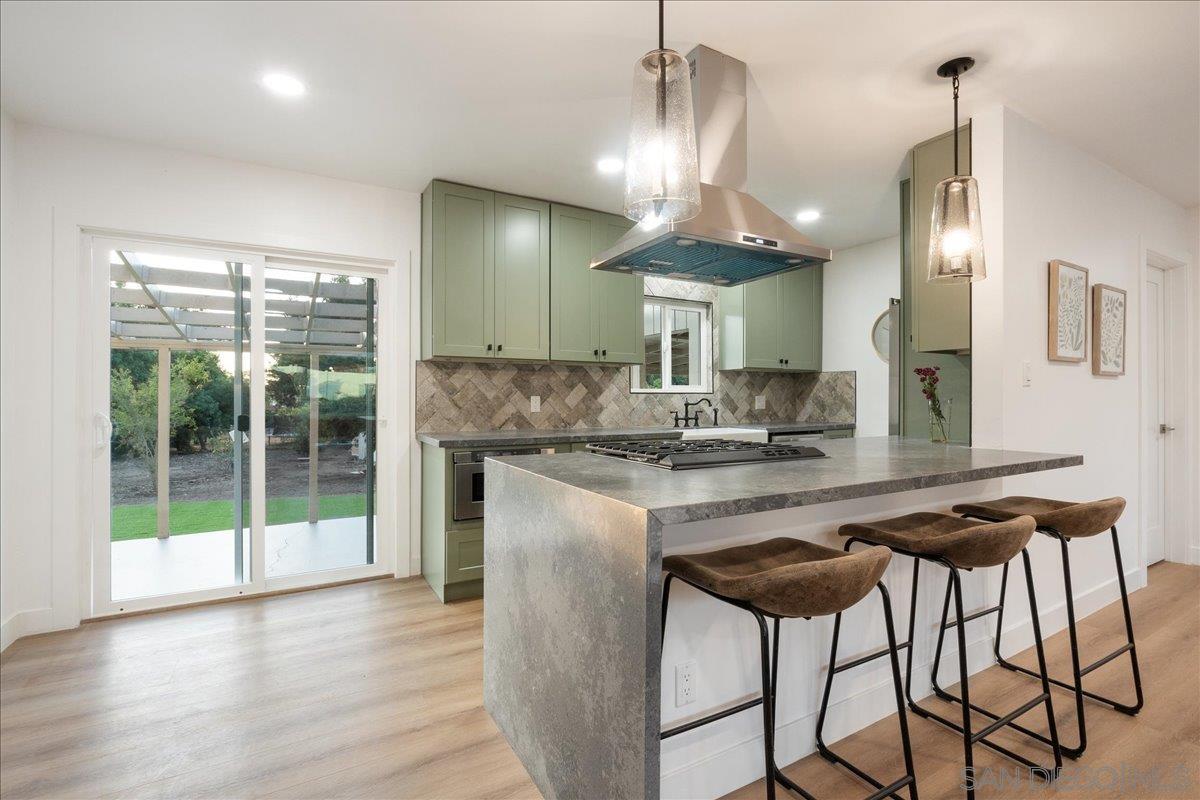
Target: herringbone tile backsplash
(468, 396)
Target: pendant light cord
(954, 83)
(660, 25)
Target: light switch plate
(535, 403)
(760, 402)
(1026, 374)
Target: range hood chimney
(735, 238)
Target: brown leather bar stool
(1064, 521)
(962, 544)
(785, 579)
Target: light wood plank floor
(374, 691)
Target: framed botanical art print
(1067, 331)
(1108, 330)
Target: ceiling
(526, 96)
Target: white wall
(857, 286)
(65, 182)
(14, 401)
(1044, 199)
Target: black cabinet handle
(596, 352)
(489, 348)
(787, 361)
(604, 353)
(499, 347)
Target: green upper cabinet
(773, 323)
(485, 264)
(522, 305)
(574, 323)
(595, 316)
(800, 319)
(458, 259)
(761, 318)
(941, 312)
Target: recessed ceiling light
(808, 215)
(282, 84)
(610, 166)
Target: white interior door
(1154, 397)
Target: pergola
(206, 305)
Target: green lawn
(198, 516)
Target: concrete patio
(196, 561)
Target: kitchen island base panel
(569, 586)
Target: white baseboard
(717, 774)
(25, 623)
(1194, 554)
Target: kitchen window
(679, 360)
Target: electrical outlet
(1026, 374)
(760, 402)
(535, 403)
(686, 683)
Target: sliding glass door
(320, 449)
(237, 420)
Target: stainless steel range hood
(734, 238)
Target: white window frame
(706, 339)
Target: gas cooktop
(698, 453)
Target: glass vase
(939, 422)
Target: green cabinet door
(760, 307)
(574, 322)
(462, 292)
(800, 319)
(618, 297)
(522, 278)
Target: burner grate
(698, 453)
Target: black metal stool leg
(912, 630)
(1041, 656)
(968, 757)
(765, 662)
(969, 738)
(910, 778)
(1077, 670)
(1133, 659)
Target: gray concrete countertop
(519, 438)
(854, 468)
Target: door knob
(1165, 428)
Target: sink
(745, 434)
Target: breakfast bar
(572, 647)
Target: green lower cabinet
(464, 555)
(773, 323)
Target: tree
(210, 398)
(134, 413)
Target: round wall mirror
(881, 335)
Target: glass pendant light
(956, 234)
(662, 179)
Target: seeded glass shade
(956, 235)
(662, 180)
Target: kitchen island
(573, 584)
